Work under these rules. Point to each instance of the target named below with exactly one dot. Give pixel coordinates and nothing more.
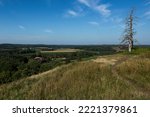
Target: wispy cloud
(72, 13)
(148, 3)
(103, 9)
(117, 20)
(147, 14)
(85, 2)
(94, 23)
(48, 31)
(21, 27)
(76, 11)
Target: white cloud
(85, 2)
(147, 14)
(48, 31)
(94, 23)
(103, 9)
(21, 27)
(97, 6)
(72, 13)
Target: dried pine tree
(129, 32)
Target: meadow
(64, 50)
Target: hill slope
(108, 77)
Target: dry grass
(137, 73)
(105, 61)
(64, 50)
(129, 79)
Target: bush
(5, 77)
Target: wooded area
(20, 61)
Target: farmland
(64, 50)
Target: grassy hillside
(119, 76)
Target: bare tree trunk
(130, 46)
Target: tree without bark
(129, 32)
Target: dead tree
(129, 32)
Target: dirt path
(43, 73)
(111, 60)
(114, 61)
(131, 82)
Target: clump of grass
(137, 72)
(145, 55)
(137, 51)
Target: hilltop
(119, 76)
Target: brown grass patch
(64, 50)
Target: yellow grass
(64, 50)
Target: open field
(117, 76)
(64, 50)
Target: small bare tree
(129, 32)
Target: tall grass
(137, 51)
(86, 80)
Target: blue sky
(71, 21)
